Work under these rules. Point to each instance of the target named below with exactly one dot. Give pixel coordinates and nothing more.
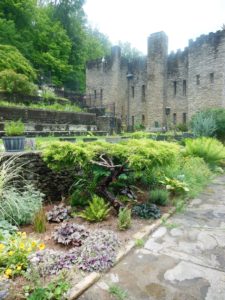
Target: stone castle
(161, 89)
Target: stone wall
(46, 116)
(109, 124)
(181, 83)
(53, 184)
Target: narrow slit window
(174, 88)
(143, 120)
(197, 79)
(184, 118)
(211, 77)
(95, 93)
(132, 91)
(184, 87)
(132, 121)
(174, 118)
(101, 94)
(143, 92)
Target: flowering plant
(14, 253)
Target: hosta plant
(175, 185)
(59, 213)
(99, 251)
(147, 211)
(97, 210)
(50, 262)
(14, 253)
(6, 229)
(70, 234)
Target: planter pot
(14, 143)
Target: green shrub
(97, 210)
(12, 59)
(159, 197)
(182, 127)
(14, 128)
(218, 114)
(13, 82)
(39, 221)
(19, 207)
(79, 198)
(203, 125)
(124, 218)
(196, 173)
(211, 150)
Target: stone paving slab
(182, 260)
(145, 276)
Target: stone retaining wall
(46, 116)
(53, 184)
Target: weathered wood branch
(115, 172)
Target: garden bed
(115, 197)
(74, 275)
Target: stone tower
(156, 79)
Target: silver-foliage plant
(4, 288)
(59, 213)
(99, 251)
(70, 234)
(203, 125)
(50, 262)
(19, 207)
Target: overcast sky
(134, 20)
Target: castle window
(132, 118)
(156, 124)
(143, 93)
(174, 88)
(197, 79)
(95, 93)
(101, 94)
(211, 77)
(174, 118)
(184, 87)
(184, 118)
(132, 91)
(143, 120)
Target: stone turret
(156, 73)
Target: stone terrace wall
(46, 116)
(53, 184)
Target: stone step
(55, 127)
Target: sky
(134, 20)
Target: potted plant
(14, 141)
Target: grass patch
(67, 107)
(118, 292)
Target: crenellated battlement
(212, 39)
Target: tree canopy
(53, 35)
